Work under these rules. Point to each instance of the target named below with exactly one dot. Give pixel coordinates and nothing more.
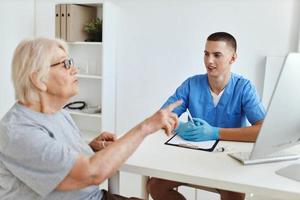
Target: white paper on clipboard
(178, 141)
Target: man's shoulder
(239, 79)
(194, 81)
(197, 78)
(242, 85)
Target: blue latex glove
(200, 130)
(185, 129)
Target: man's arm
(245, 134)
(181, 93)
(94, 170)
(254, 111)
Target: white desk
(211, 169)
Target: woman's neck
(47, 105)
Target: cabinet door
(57, 21)
(63, 21)
(77, 17)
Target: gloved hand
(200, 130)
(186, 130)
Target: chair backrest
(272, 70)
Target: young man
(220, 101)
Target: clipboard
(177, 141)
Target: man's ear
(233, 58)
(39, 84)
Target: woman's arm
(94, 170)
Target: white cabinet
(88, 58)
(96, 62)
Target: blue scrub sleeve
(182, 92)
(252, 104)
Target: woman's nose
(74, 70)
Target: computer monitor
(281, 126)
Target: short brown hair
(223, 36)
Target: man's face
(218, 57)
(62, 82)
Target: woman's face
(62, 83)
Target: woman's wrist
(144, 128)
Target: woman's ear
(233, 58)
(39, 84)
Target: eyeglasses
(68, 63)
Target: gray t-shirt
(37, 151)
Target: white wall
(161, 43)
(17, 23)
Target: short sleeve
(37, 159)
(252, 104)
(182, 92)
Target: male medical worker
(220, 103)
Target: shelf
(78, 113)
(89, 76)
(95, 62)
(85, 43)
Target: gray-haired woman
(42, 154)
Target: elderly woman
(42, 154)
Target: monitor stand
(291, 171)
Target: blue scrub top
(238, 102)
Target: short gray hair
(33, 55)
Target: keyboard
(244, 157)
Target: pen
(220, 149)
(188, 145)
(189, 115)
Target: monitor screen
(281, 126)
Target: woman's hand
(162, 119)
(102, 141)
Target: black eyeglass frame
(68, 63)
